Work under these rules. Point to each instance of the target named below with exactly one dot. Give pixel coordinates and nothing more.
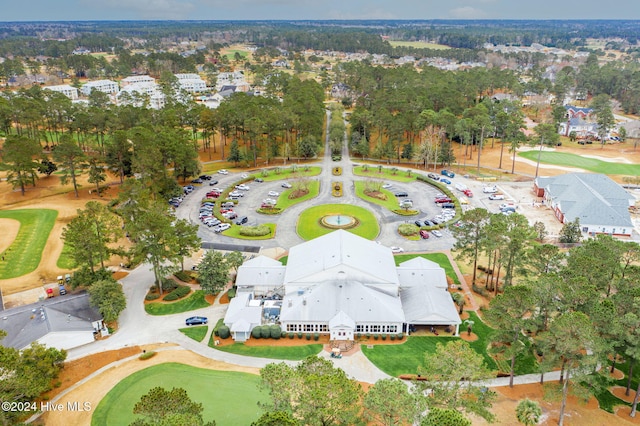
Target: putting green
(25, 253)
(309, 226)
(228, 397)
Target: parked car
(236, 194)
(213, 182)
(490, 189)
(213, 194)
(244, 176)
(228, 204)
(197, 180)
(242, 187)
(396, 249)
(440, 200)
(269, 201)
(273, 194)
(386, 186)
(267, 206)
(223, 172)
(222, 227)
(433, 176)
(460, 186)
(508, 210)
(424, 234)
(230, 215)
(496, 197)
(445, 181)
(427, 222)
(401, 194)
(204, 177)
(505, 205)
(418, 223)
(196, 321)
(468, 193)
(242, 220)
(448, 206)
(448, 173)
(286, 185)
(258, 180)
(436, 233)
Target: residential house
(69, 91)
(600, 204)
(137, 79)
(578, 112)
(63, 322)
(581, 127)
(105, 86)
(191, 83)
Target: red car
(440, 200)
(213, 194)
(424, 234)
(468, 193)
(225, 210)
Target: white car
(387, 186)
(269, 201)
(223, 172)
(242, 187)
(436, 233)
(222, 227)
(496, 197)
(490, 189)
(507, 205)
(244, 176)
(396, 249)
(273, 194)
(236, 194)
(286, 185)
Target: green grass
(230, 398)
(606, 399)
(195, 333)
(234, 232)
(65, 261)
(284, 260)
(309, 227)
(291, 353)
(419, 44)
(285, 202)
(195, 301)
(589, 164)
(408, 356)
(386, 173)
(391, 203)
(25, 253)
(440, 258)
(283, 173)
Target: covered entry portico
(341, 327)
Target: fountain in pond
(338, 221)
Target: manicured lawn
(284, 173)
(25, 253)
(309, 221)
(228, 397)
(590, 164)
(284, 201)
(291, 353)
(418, 44)
(384, 173)
(391, 203)
(195, 333)
(440, 258)
(234, 232)
(408, 356)
(194, 301)
(284, 260)
(65, 261)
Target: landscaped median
(263, 231)
(195, 300)
(380, 172)
(309, 223)
(374, 193)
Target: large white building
(141, 94)
(105, 86)
(137, 79)
(191, 83)
(69, 91)
(340, 284)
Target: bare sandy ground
(8, 231)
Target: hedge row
(178, 293)
(266, 331)
(255, 231)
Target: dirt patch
(619, 391)
(119, 275)
(8, 231)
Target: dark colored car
(242, 220)
(401, 194)
(213, 182)
(448, 206)
(448, 173)
(259, 180)
(196, 320)
(418, 223)
(424, 234)
(204, 177)
(197, 180)
(427, 222)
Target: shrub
(316, 336)
(376, 336)
(291, 335)
(183, 276)
(255, 231)
(275, 331)
(147, 355)
(178, 293)
(151, 296)
(367, 335)
(299, 335)
(224, 332)
(384, 337)
(400, 336)
(408, 229)
(308, 336)
(265, 332)
(169, 285)
(392, 337)
(283, 334)
(256, 333)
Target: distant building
(69, 91)
(600, 204)
(105, 86)
(141, 94)
(137, 79)
(191, 83)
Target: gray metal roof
(593, 198)
(261, 271)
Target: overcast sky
(57, 10)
